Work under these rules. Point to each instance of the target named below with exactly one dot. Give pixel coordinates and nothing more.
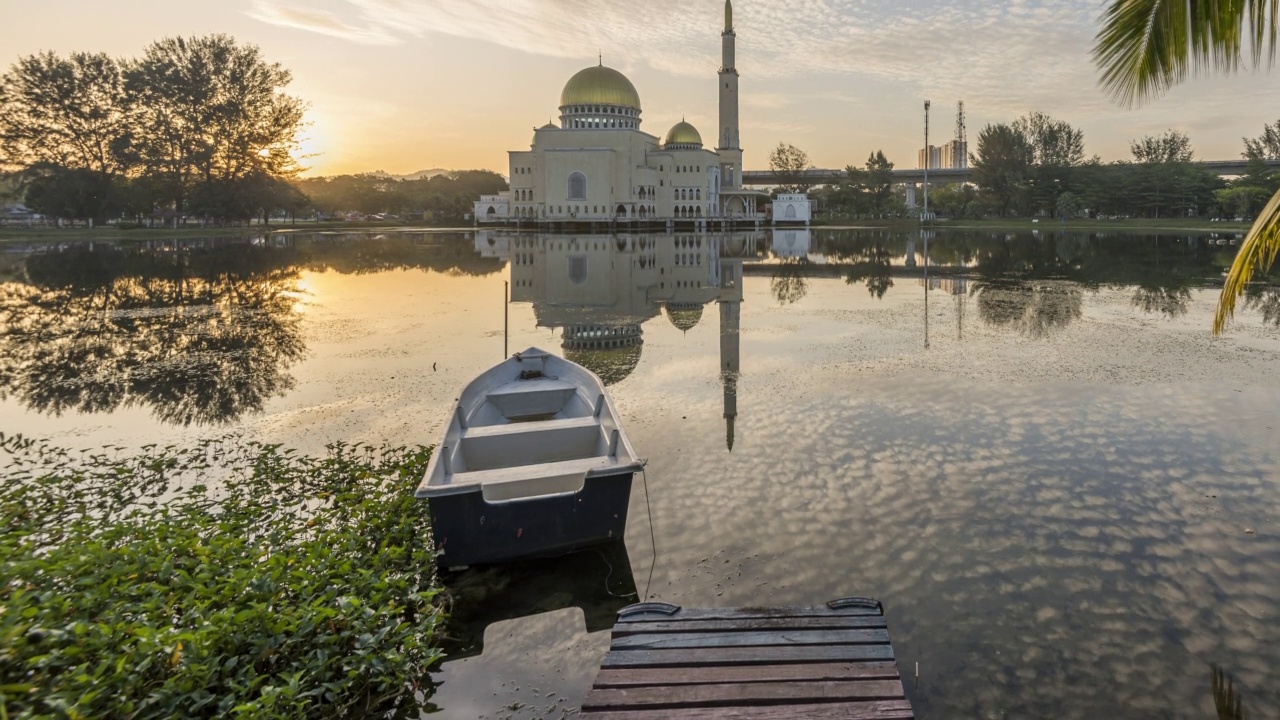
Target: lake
(1028, 445)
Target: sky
(409, 85)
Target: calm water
(1066, 493)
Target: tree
(1068, 205)
(62, 192)
(1266, 146)
(1172, 147)
(211, 110)
(1144, 48)
(63, 112)
(788, 162)
(879, 182)
(1053, 142)
(1002, 165)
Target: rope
(653, 539)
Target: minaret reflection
(730, 300)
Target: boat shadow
(597, 579)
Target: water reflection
(600, 290)
(200, 331)
(1226, 700)
(1266, 301)
(200, 337)
(790, 281)
(598, 581)
(1035, 309)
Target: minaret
(729, 146)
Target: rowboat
(533, 462)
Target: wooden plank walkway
(824, 662)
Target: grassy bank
(228, 579)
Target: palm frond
(1258, 252)
(1147, 46)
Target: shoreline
(9, 235)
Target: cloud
(320, 21)
(1011, 53)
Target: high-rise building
(955, 155)
(930, 158)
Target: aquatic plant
(226, 578)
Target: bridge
(944, 176)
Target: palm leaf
(1257, 253)
(1147, 46)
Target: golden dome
(600, 85)
(682, 133)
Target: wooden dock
(833, 661)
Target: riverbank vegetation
(229, 578)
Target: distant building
(792, 209)
(930, 158)
(955, 155)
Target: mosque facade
(598, 166)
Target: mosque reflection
(600, 290)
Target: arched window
(697, 194)
(577, 186)
(791, 212)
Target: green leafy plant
(227, 579)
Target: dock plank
(875, 710)
(774, 693)
(637, 677)
(665, 661)
(836, 622)
(752, 638)
(746, 656)
(740, 613)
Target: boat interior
(526, 432)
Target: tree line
(445, 196)
(196, 127)
(1036, 165)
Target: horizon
(400, 86)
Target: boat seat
(520, 387)
(518, 428)
(526, 398)
(529, 481)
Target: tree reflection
(1170, 301)
(1265, 300)
(1225, 697)
(1035, 309)
(200, 337)
(872, 266)
(790, 283)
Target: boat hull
(469, 530)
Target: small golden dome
(600, 85)
(682, 133)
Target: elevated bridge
(946, 176)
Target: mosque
(598, 167)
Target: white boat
(534, 461)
